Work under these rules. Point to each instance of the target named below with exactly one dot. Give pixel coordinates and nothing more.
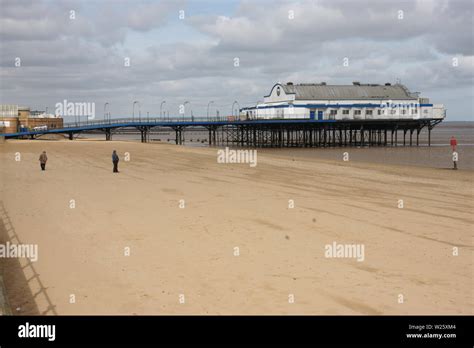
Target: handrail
(150, 120)
(188, 122)
(197, 120)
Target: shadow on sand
(18, 286)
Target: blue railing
(150, 120)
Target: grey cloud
(446, 25)
(84, 60)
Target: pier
(262, 133)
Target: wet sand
(438, 155)
(190, 251)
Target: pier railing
(149, 120)
(245, 131)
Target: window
(368, 112)
(379, 111)
(345, 112)
(425, 111)
(332, 114)
(404, 112)
(357, 112)
(393, 111)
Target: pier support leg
(108, 135)
(71, 136)
(144, 134)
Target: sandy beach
(183, 260)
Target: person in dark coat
(115, 161)
(43, 159)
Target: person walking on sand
(43, 159)
(453, 143)
(115, 161)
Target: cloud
(193, 59)
(147, 16)
(277, 27)
(105, 22)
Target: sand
(189, 253)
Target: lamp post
(184, 108)
(105, 114)
(256, 108)
(235, 102)
(161, 108)
(133, 112)
(208, 104)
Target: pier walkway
(262, 133)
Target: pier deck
(264, 133)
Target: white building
(320, 101)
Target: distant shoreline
(437, 156)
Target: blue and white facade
(343, 102)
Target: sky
(225, 51)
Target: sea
(438, 155)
